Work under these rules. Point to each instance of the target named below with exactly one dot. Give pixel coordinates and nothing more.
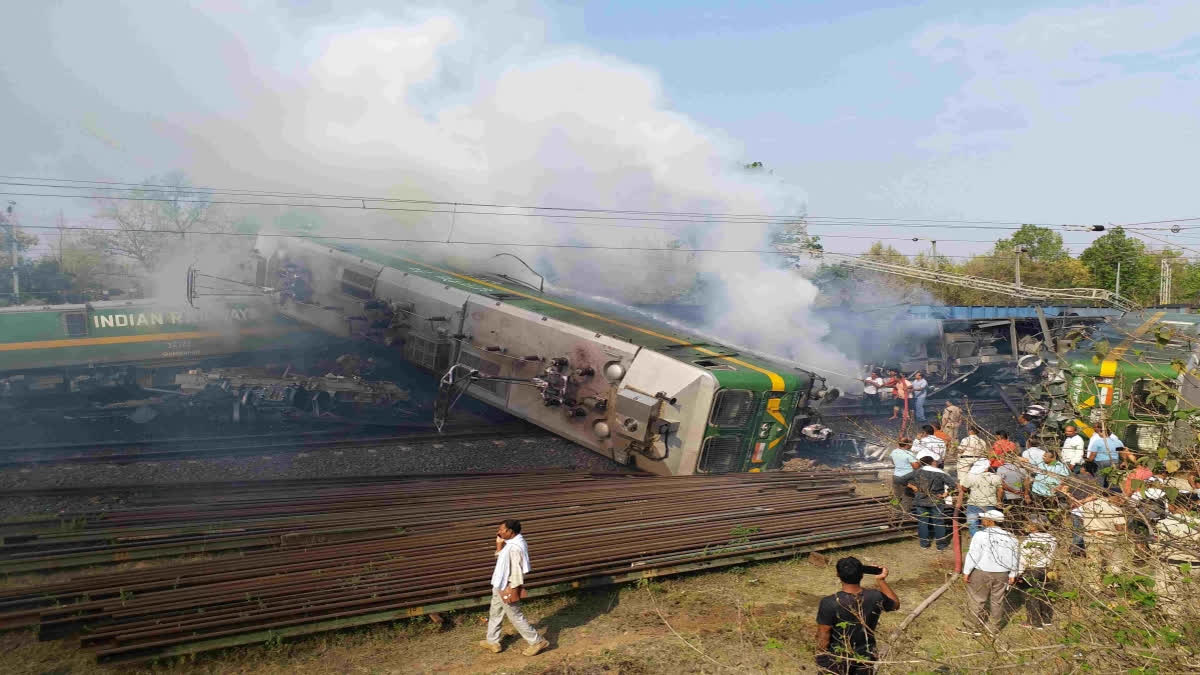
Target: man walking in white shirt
(990, 569)
(1072, 449)
(508, 579)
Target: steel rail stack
(300, 557)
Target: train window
(76, 323)
(421, 351)
(721, 454)
(733, 408)
(1149, 398)
(713, 365)
(357, 285)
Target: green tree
(1041, 243)
(1139, 271)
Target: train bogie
(636, 393)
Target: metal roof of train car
(731, 367)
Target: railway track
(233, 446)
(311, 556)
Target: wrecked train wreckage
(632, 390)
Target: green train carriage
(1136, 373)
(45, 347)
(627, 387)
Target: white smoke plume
(449, 103)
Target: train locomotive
(641, 394)
(82, 347)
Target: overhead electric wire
(47, 182)
(679, 216)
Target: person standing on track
(871, 386)
(919, 387)
(508, 580)
(903, 389)
(952, 418)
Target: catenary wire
(811, 220)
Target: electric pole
(1018, 250)
(1117, 290)
(12, 240)
(1164, 284)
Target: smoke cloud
(450, 103)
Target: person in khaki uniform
(952, 418)
(990, 569)
(508, 580)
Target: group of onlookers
(1011, 496)
(902, 390)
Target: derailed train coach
(58, 348)
(640, 394)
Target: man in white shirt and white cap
(508, 580)
(990, 568)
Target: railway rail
(313, 556)
(232, 446)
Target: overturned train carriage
(1137, 373)
(639, 394)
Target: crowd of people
(1028, 506)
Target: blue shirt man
(903, 460)
(1104, 447)
(1048, 476)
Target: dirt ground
(757, 618)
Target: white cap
(980, 466)
(993, 514)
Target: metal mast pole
(12, 239)
(1164, 284)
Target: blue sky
(1043, 112)
(1061, 112)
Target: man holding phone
(508, 587)
(846, 620)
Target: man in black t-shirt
(846, 620)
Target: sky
(1057, 113)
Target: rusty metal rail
(306, 556)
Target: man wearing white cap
(990, 569)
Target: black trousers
(871, 404)
(831, 663)
(1033, 588)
